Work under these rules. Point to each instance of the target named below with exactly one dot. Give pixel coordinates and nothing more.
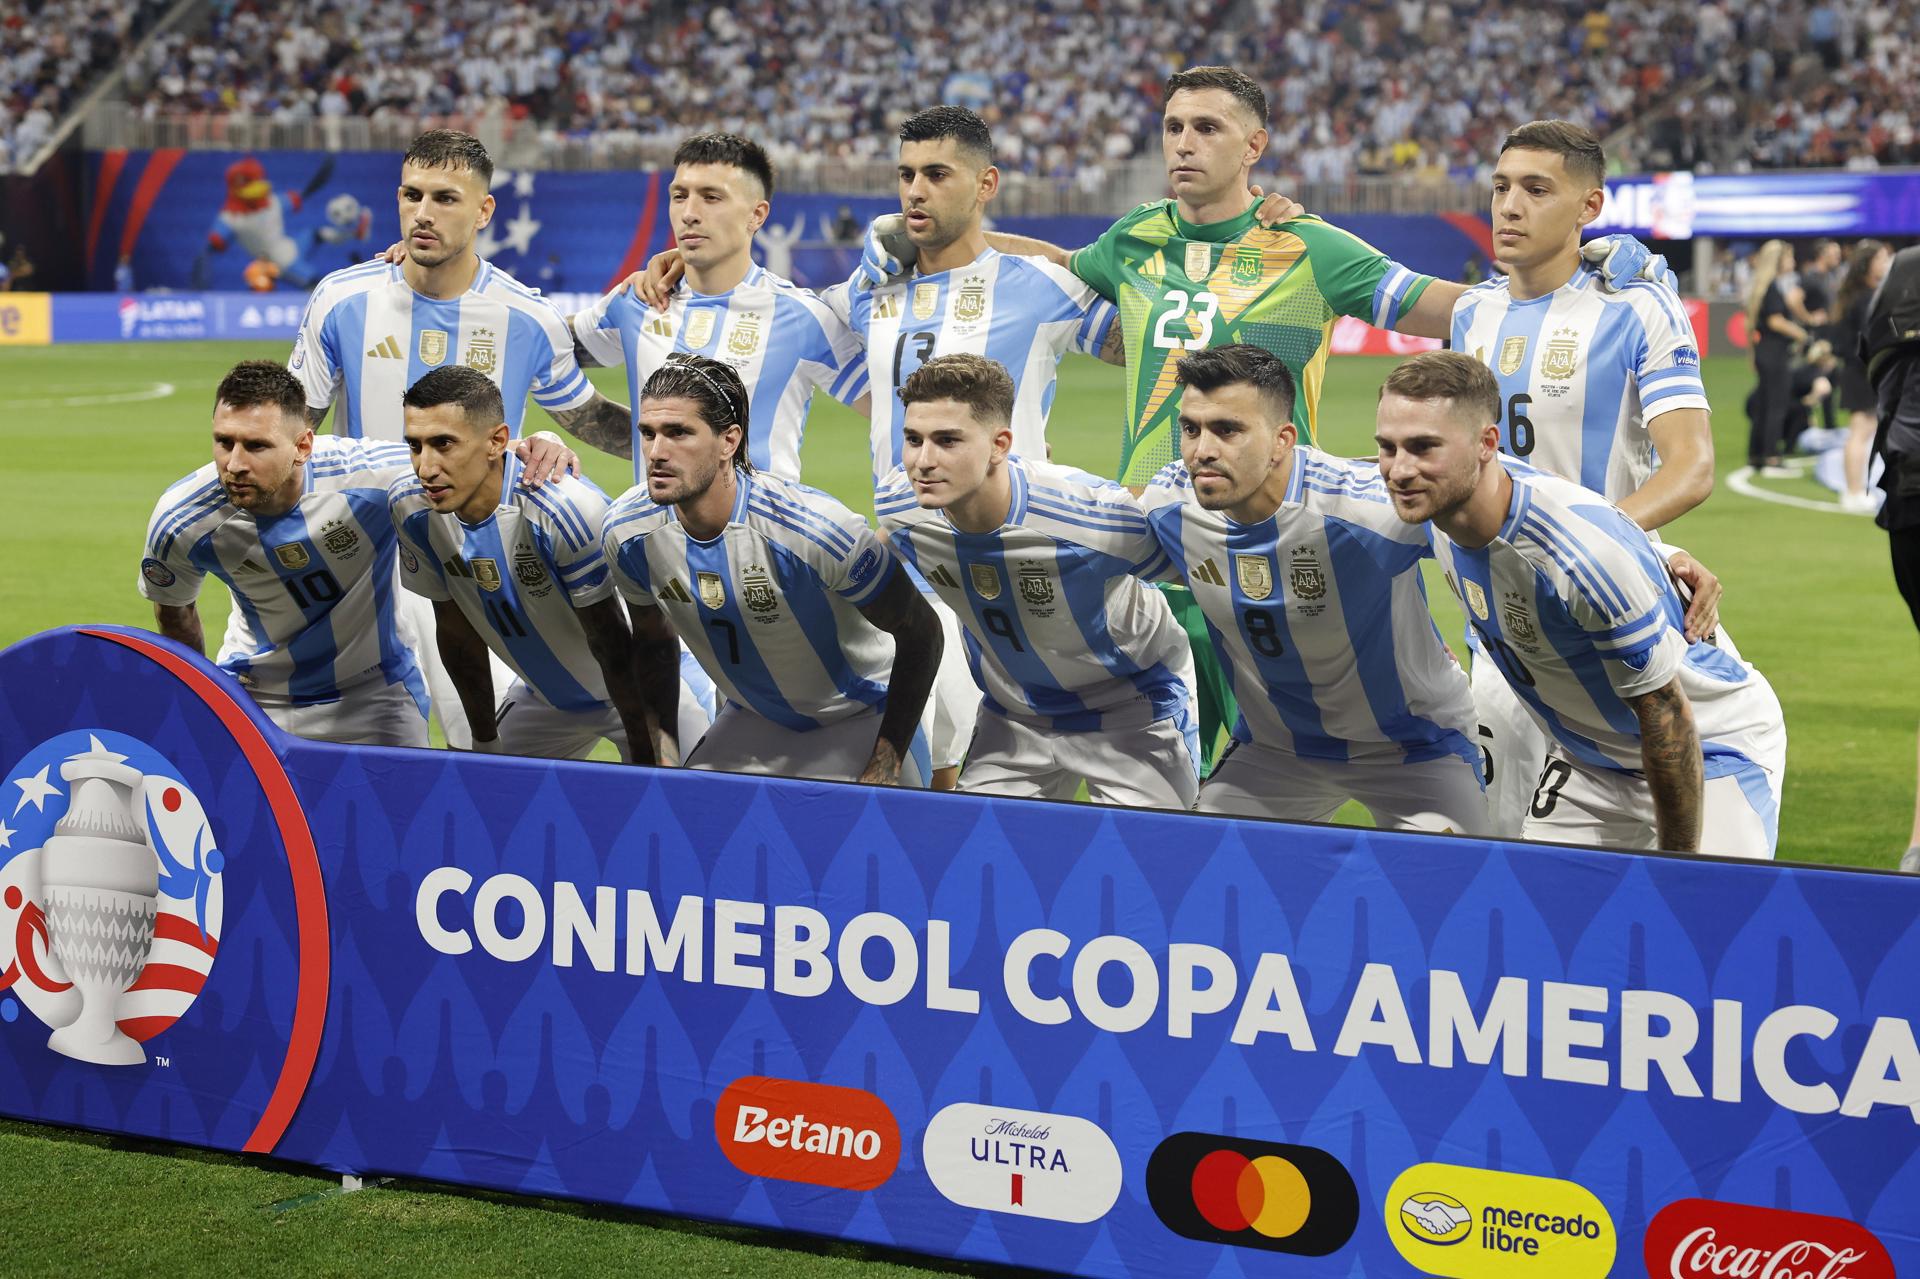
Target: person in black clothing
(1866, 267)
(1774, 334)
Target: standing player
(822, 646)
(782, 340)
(522, 573)
(1087, 676)
(1657, 742)
(1311, 590)
(1596, 387)
(298, 530)
(373, 330)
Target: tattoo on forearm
(600, 424)
(1670, 757)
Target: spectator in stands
(51, 53)
(1866, 267)
(1773, 334)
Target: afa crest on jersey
(758, 591)
(1255, 576)
(1517, 622)
(970, 303)
(1036, 587)
(1247, 263)
(340, 539)
(744, 338)
(1308, 579)
(483, 353)
(1561, 356)
(530, 572)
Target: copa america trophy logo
(113, 929)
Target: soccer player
(1311, 590)
(1086, 675)
(1597, 387)
(822, 646)
(1656, 742)
(297, 528)
(373, 330)
(782, 339)
(521, 572)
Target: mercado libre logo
(1252, 1194)
(1475, 1223)
(110, 895)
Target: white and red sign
(1708, 1239)
(1026, 1162)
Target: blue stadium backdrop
(1092, 1040)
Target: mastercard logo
(1252, 1194)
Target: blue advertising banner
(1103, 1041)
(280, 220)
(1679, 206)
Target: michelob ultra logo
(1474, 1223)
(1706, 1239)
(820, 1134)
(1026, 1162)
(1252, 1194)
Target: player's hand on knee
(1276, 208)
(656, 284)
(1703, 590)
(887, 254)
(395, 254)
(544, 456)
(1621, 259)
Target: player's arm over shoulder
(1361, 281)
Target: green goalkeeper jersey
(1183, 286)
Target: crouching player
(1655, 742)
(1312, 593)
(821, 645)
(521, 572)
(1086, 674)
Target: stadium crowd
(51, 52)
(1362, 86)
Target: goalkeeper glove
(887, 254)
(1621, 259)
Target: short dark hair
(958, 123)
(1447, 375)
(450, 149)
(1575, 144)
(1218, 366)
(1239, 84)
(981, 384)
(730, 149)
(478, 398)
(252, 383)
(714, 386)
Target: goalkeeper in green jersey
(1202, 269)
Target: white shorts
(530, 725)
(368, 714)
(419, 631)
(954, 704)
(1575, 803)
(1441, 796)
(1512, 744)
(744, 741)
(1154, 766)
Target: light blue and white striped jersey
(1320, 616)
(518, 576)
(313, 588)
(1060, 630)
(781, 339)
(1582, 372)
(771, 606)
(367, 337)
(1572, 601)
(1024, 313)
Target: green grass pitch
(92, 434)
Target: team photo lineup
(1235, 622)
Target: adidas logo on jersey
(940, 577)
(388, 348)
(1209, 572)
(674, 591)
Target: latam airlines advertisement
(1089, 1040)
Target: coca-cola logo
(1706, 1239)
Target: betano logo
(1252, 1194)
(820, 1134)
(1706, 1239)
(1474, 1223)
(1026, 1162)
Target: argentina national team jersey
(770, 607)
(1582, 372)
(1060, 630)
(781, 339)
(518, 576)
(1573, 602)
(367, 336)
(1024, 313)
(314, 587)
(1321, 616)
